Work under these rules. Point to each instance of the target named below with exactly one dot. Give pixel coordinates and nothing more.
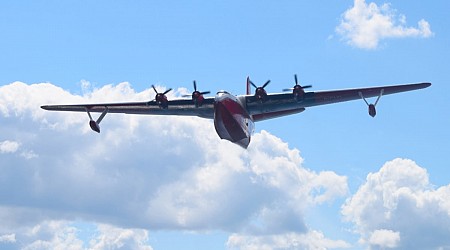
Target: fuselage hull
(231, 120)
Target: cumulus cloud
(147, 172)
(365, 24)
(384, 238)
(8, 147)
(110, 237)
(10, 238)
(11, 147)
(57, 234)
(311, 240)
(397, 207)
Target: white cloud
(110, 237)
(384, 238)
(8, 147)
(28, 155)
(52, 235)
(311, 240)
(8, 238)
(399, 204)
(148, 172)
(65, 235)
(365, 24)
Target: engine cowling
(298, 90)
(260, 92)
(197, 96)
(161, 98)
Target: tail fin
(248, 86)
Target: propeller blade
(265, 84)
(253, 84)
(153, 86)
(201, 93)
(167, 91)
(296, 86)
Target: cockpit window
(222, 92)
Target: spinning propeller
(297, 90)
(197, 96)
(161, 98)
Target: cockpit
(222, 92)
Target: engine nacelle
(198, 98)
(261, 94)
(94, 126)
(298, 92)
(161, 100)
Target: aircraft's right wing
(283, 104)
(334, 96)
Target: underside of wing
(334, 96)
(277, 105)
(183, 107)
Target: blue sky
(100, 51)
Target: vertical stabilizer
(248, 86)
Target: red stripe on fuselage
(231, 120)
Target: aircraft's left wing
(184, 107)
(283, 104)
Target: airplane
(234, 116)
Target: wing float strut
(372, 109)
(95, 125)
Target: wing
(285, 104)
(185, 107)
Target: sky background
(331, 177)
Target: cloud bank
(145, 173)
(366, 24)
(64, 187)
(397, 207)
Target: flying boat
(234, 115)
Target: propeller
(164, 93)
(297, 86)
(262, 87)
(161, 98)
(298, 90)
(197, 96)
(260, 92)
